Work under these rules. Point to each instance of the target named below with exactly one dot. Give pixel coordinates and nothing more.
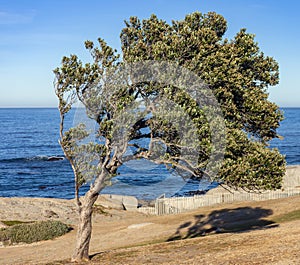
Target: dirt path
(119, 229)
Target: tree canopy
(237, 72)
(139, 117)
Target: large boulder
(292, 177)
(129, 203)
(220, 190)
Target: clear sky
(34, 35)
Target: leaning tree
(150, 104)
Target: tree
(237, 72)
(140, 117)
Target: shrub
(34, 232)
(14, 222)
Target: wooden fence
(182, 204)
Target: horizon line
(55, 107)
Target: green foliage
(250, 164)
(34, 232)
(237, 72)
(14, 222)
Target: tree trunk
(84, 227)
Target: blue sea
(29, 139)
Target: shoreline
(148, 201)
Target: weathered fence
(183, 204)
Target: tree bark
(84, 227)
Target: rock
(219, 190)
(109, 203)
(55, 158)
(292, 177)
(129, 203)
(50, 214)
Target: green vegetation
(237, 73)
(14, 222)
(291, 216)
(32, 232)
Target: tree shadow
(225, 221)
(96, 254)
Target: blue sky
(34, 35)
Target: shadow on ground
(225, 221)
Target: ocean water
(29, 141)
(290, 131)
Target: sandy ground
(121, 237)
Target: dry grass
(250, 235)
(265, 232)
